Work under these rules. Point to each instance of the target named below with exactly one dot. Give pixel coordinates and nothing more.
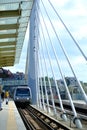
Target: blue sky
(74, 14)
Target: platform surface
(10, 118)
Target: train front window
(22, 92)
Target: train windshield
(22, 92)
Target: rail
(36, 120)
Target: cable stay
(68, 31)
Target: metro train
(22, 94)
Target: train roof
(23, 87)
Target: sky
(74, 15)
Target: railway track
(36, 120)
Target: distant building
(4, 73)
(71, 81)
(18, 76)
(53, 87)
(73, 87)
(11, 80)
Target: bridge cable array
(67, 58)
(59, 67)
(43, 96)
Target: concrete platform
(10, 118)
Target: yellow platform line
(11, 122)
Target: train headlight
(17, 98)
(27, 98)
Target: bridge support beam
(32, 61)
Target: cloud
(73, 13)
(81, 32)
(60, 4)
(78, 60)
